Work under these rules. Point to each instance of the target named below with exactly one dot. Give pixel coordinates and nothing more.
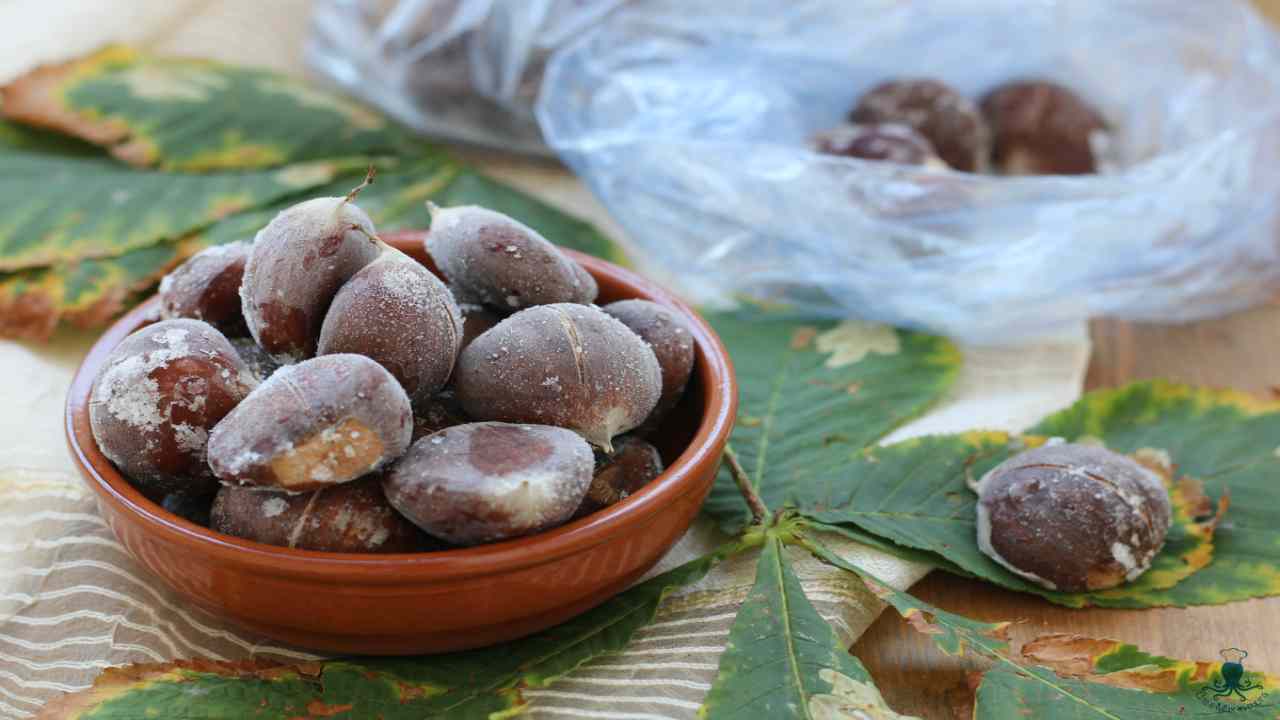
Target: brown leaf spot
(317, 709)
(35, 98)
(1065, 654)
(853, 388)
(803, 336)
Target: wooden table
(1239, 351)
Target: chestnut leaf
(151, 159)
(783, 660)
(914, 494)
(1087, 679)
(813, 394)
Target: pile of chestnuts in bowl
(320, 390)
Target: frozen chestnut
(207, 287)
(297, 264)
(669, 339)
(353, 517)
(567, 365)
(156, 398)
(502, 262)
(396, 312)
(1042, 128)
(888, 142)
(632, 465)
(320, 422)
(491, 481)
(260, 363)
(950, 121)
(1072, 517)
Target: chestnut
(950, 121)
(568, 365)
(669, 339)
(1042, 128)
(156, 398)
(490, 481)
(1072, 517)
(353, 517)
(317, 423)
(297, 264)
(633, 464)
(399, 314)
(501, 262)
(207, 287)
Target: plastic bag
(467, 70)
(692, 127)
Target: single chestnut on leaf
(1072, 517)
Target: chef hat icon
(1234, 655)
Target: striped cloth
(73, 602)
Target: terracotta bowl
(426, 602)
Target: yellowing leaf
(1082, 678)
(183, 114)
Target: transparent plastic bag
(467, 70)
(692, 127)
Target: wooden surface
(1240, 351)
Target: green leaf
(57, 208)
(814, 394)
(914, 494)
(88, 293)
(1226, 439)
(196, 115)
(1085, 679)
(784, 661)
(472, 684)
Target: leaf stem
(759, 513)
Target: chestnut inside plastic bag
(692, 127)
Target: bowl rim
(719, 387)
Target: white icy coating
(274, 506)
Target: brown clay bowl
(438, 601)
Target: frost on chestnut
(158, 395)
(503, 263)
(490, 481)
(567, 365)
(399, 314)
(1072, 517)
(317, 423)
(297, 264)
